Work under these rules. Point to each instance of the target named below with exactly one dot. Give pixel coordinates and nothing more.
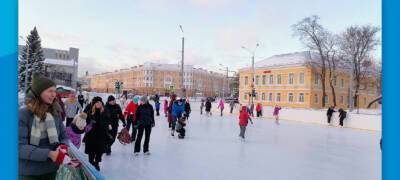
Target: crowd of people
(43, 138)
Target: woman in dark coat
(208, 107)
(96, 137)
(115, 115)
(145, 121)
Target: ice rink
(212, 150)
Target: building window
(278, 97)
(341, 100)
(246, 80)
(316, 79)
(279, 79)
(270, 97)
(290, 97)
(334, 81)
(301, 97)
(245, 96)
(271, 79)
(342, 83)
(291, 77)
(257, 79)
(263, 96)
(365, 100)
(264, 79)
(326, 99)
(301, 78)
(316, 99)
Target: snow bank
(367, 119)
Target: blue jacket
(177, 109)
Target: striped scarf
(41, 130)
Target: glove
(62, 157)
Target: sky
(119, 34)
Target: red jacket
(258, 108)
(244, 117)
(130, 109)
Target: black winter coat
(96, 138)
(208, 106)
(145, 115)
(187, 109)
(115, 114)
(330, 112)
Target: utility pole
(182, 64)
(252, 93)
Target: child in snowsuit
(180, 127)
(157, 104)
(342, 116)
(76, 128)
(276, 113)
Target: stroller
(180, 127)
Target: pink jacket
(276, 110)
(221, 104)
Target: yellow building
(152, 78)
(289, 80)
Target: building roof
(59, 62)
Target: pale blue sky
(122, 33)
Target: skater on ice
(130, 113)
(72, 107)
(188, 110)
(115, 114)
(276, 113)
(259, 110)
(178, 109)
(96, 136)
(244, 118)
(144, 123)
(221, 106)
(329, 113)
(166, 108)
(208, 107)
(342, 116)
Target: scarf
(38, 129)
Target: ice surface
(213, 150)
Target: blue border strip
(390, 63)
(8, 74)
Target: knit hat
(144, 99)
(97, 99)
(110, 98)
(39, 84)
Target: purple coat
(276, 110)
(73, 137)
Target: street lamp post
(182, 63)
(26, 63)
(253, 74)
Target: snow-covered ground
(212, 150)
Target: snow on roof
(288, 59)
(59, 62)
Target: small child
(157, 104)
(342, 116)
(276, 113)
(244, 118)
(259, 110)
(180, 127)
(77, 128)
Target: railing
(90, 172)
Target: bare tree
(314, 36)
(331, 54)
(356, 44)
